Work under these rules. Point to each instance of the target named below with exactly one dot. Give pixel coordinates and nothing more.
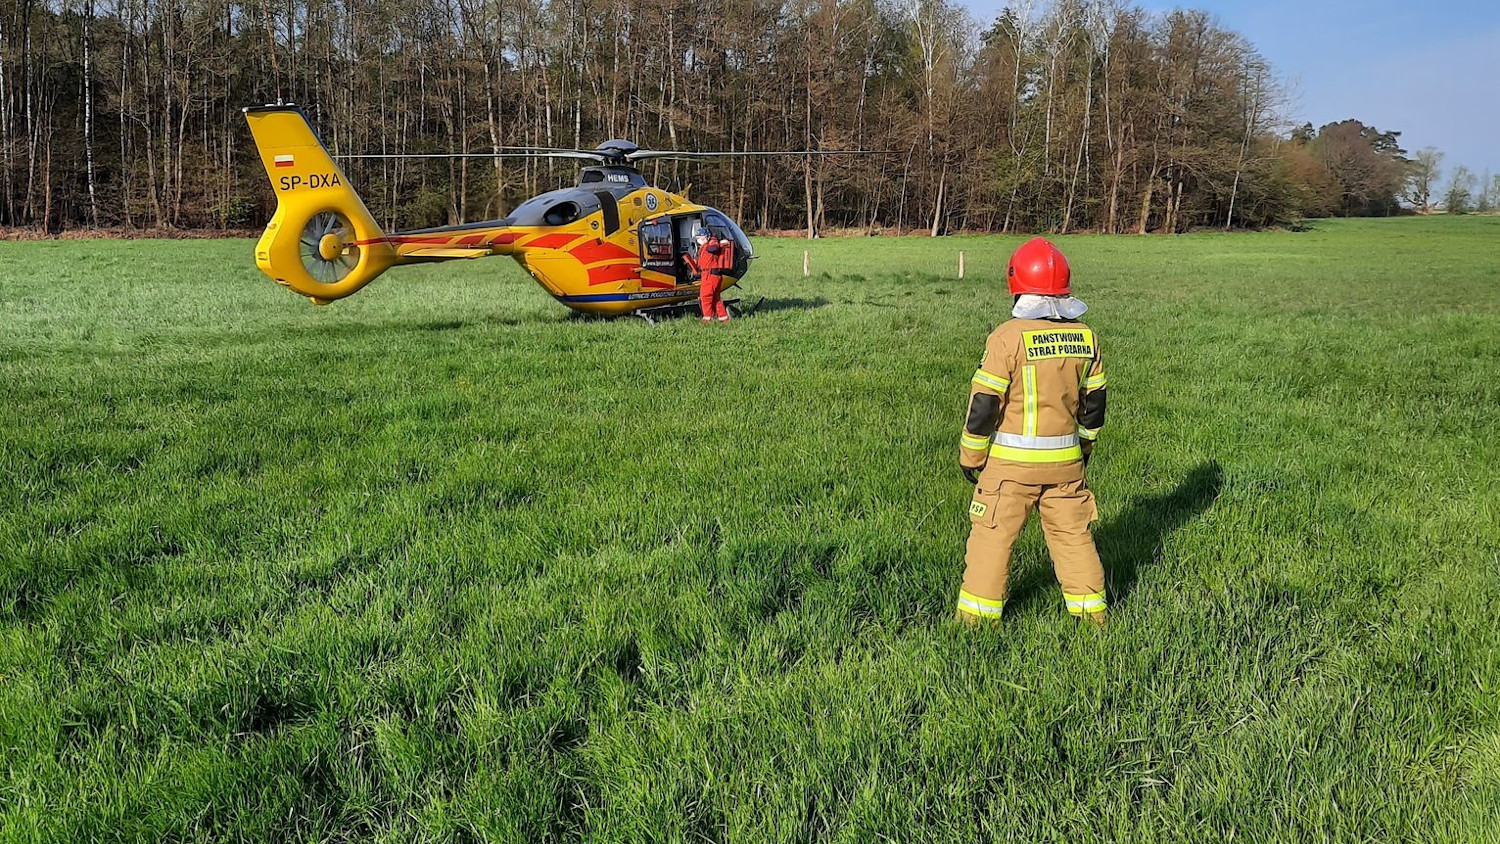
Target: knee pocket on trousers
(984, 507)
(1090, 506)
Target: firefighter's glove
(971, 473)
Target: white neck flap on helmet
(1034, 306)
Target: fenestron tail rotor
(328, 247)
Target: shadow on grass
(1134, 538)
(455, 324)
(741, 307)
(366, 329)
(766, 306)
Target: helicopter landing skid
(660, 312)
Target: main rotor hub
(616, 151)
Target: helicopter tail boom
(322, 241)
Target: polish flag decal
(284, 161)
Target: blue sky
(1428, 69)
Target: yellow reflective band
(1089, 434)
(1080, 604)
(994, 382)
(974, 605)
(1036, 455)
(1095, 382)
(1029, 377)
(977, 443)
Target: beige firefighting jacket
(1036, 404)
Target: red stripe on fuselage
(551, 241)
(610, 273)
(594, 251)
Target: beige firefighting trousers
(999, 511)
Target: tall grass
(440, 562)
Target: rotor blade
(689, 156)
(570, 153)
(503, 148)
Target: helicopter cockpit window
(561, 214)
(591, 176)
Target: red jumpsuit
(715, 257)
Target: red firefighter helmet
(1038, 267)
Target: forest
(1060, 116)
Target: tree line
(1466, 193)
(1056, 116)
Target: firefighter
(1036, 406)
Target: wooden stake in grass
(960, 265)
(806, 267)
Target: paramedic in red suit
(698, 259)
(714, 257)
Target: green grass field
(439, 562)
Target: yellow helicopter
(611, 245)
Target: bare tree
(1459, 197)
(1422, 177)
(1257, 92)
